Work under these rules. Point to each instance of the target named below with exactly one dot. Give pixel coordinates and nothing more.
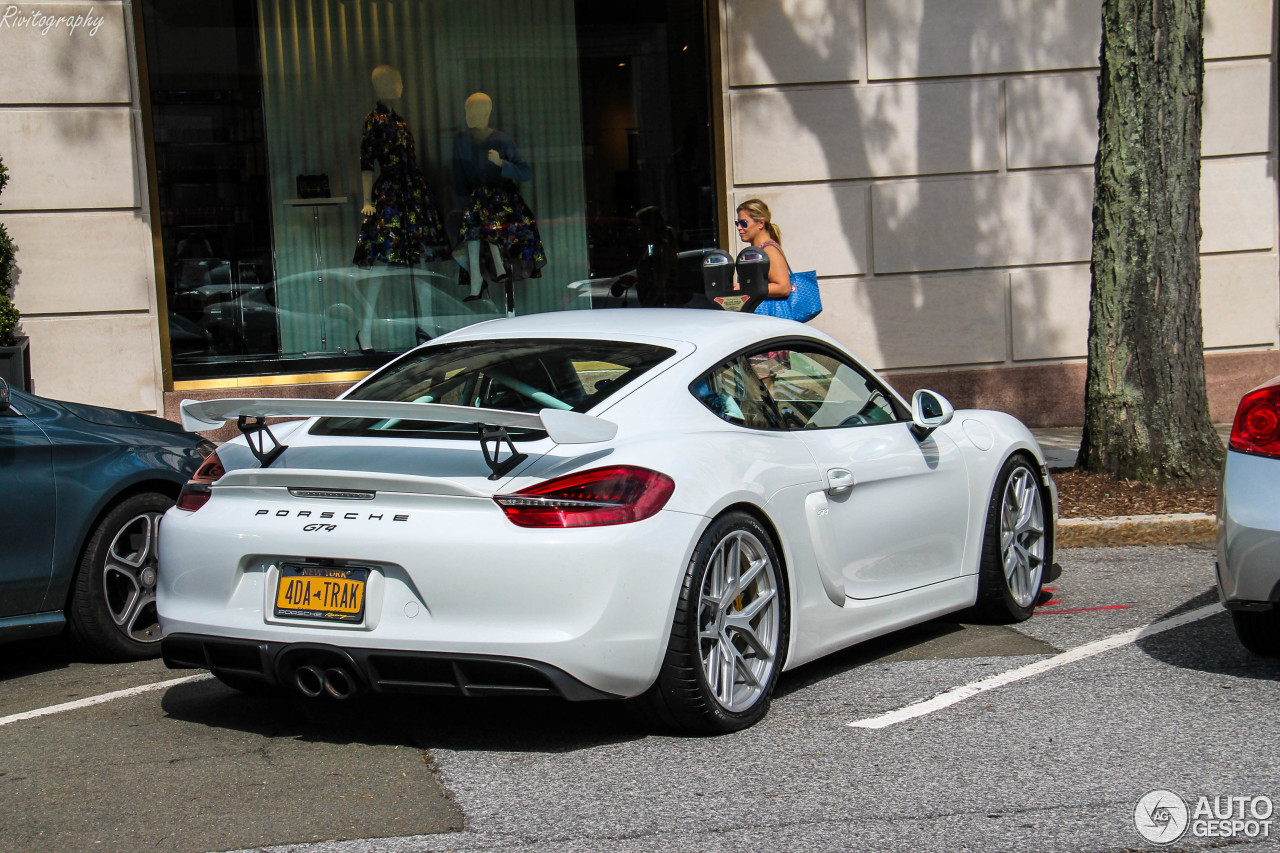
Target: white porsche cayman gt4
(666, 504)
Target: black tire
(112, 608)
(1258, 630)
(1015, 545)
(684, 697)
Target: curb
(1173, 529)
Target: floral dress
(492, 208)
(405, 227)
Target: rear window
(512, 375)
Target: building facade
(221, 199)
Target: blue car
(82, 489)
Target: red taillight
(593, 498)
(1257, 424)
(196, 492)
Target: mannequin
(402, 224)
(487, 166)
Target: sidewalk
(1061, 446)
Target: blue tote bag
(803, 304)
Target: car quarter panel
(92, 470)
(1249, 528)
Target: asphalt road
(1055, 761)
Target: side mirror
(929, 410)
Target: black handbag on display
(313, 186)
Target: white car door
(892, 512)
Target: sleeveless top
(778, 246)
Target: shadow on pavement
(1208, 645)
(941, 639)
(539, 725)
(28, 657)
(424, 722)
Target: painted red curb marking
(1086, 609)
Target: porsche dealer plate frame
(322, 593)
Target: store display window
(339, 180)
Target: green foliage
(8, 313)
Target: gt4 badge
(327, 528)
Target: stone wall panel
(82, 262)
(107, 360)
(838, 133)
(68, 159)
(63, 53)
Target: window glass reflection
(339, 180)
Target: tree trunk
(1146, 408)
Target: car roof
(720, 330)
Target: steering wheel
(864, 415)
(790, 418)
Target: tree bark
(1146, 408)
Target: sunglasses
(744, 223)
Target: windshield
(512, 375)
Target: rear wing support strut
(256, 434)
(497, 435)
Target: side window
(735, 392)
(814, 390)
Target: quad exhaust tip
(309, 681)
(321, 673)
(338, 683)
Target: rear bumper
(456, 582)
(376, 670)
(1249, 532)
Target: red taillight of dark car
(602, 496)
(196, 492)
(1257, 425)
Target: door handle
(839, 481)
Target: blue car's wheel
(113, 599)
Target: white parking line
(98, 700)
(991, 682)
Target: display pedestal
(316, 204)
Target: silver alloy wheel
(1022, 538)
(129, 578)
(738, 620)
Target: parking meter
(753, 275)
(736, 286)
(717, 276)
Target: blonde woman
(755, 226)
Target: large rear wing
(251, 413)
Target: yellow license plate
(321, 592)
